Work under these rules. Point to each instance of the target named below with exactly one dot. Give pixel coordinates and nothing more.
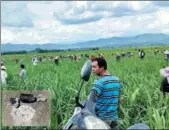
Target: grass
(141, 98)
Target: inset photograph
(26, 108)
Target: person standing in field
(155, 51)
(117, 57)
(35, 60)
(4, 75)
(139, 53)
(17, 60)
(142, 54)
(22, 72)
(75, 57)
(56, 59)
(2, 64)
(105, 93)
(102, 55)
(164, 88)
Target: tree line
(39, 50)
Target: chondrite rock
(41, 98)
(27, 98)
(15, 102)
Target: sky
(43, 22)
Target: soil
(27, 114)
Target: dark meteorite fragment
(15, 102)
(27, 98)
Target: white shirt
(166, 52)
(23, 74)
(35, 62)
(3, 76)
(165, 73)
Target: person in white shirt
(35, 60)
(3, 75)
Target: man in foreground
(105, 93)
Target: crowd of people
(56, 59)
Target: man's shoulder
(115, 78)
(108, 77)
(98, 81)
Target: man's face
(95, 68)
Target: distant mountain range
(139, 40)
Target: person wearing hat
(56, 59)
(2, 64)
(3, 75)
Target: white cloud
(81, 3)
(7, 36)
(163, 16)
(139, 5)
(85, 20)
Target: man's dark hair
(22, 66)
(101, 62)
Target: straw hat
(3, 68)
